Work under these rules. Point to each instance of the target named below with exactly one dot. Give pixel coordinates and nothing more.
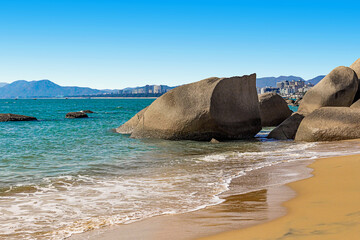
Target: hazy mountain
(315, 80)
(42, 88)
(46, 88)
(2, 84)
(271, 81)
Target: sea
(63, 176)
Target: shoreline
(247, 203)
(325, 207)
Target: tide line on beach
(326, 207)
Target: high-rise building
(157, 89)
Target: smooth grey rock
(337, 89)
(355, 105)
(330, 124)
(356, 67)
(129, 126)
(273, 109)
(221, 108)
(288, 128)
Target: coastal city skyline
(115, 44)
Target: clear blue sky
(116, 44)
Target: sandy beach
(257, 204)
(326, 207)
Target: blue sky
(116, 44)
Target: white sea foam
(60, 206)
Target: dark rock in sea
(221, 108)
(7, 117)
(273, 109)
(213, 140)
(129, 126)
(86, 111)
(356, 67)
(76, 115)
(337, 89)
(288, 128)
(330, 124)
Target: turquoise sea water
(63, 176)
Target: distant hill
(271, 81)
(46, 88)
(2, 84)
(42, 88)
(315, 80)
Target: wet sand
(263, 192)
(327, 206)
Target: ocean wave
(58, 207)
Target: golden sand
(327, 206)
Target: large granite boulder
(129, 126)
(356, 67)
(76, 115)
(7, 117)
(356, 105)
(273, 109)
(330, 124)
(220, 108)
(337, 89)
(288, 128)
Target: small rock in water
(76, 115)
(86, 111)
(213, 140)
(7, 117)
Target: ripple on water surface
(61, 176)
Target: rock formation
(7, 117)
(355, 105)
(221, 108)
(129, 126)
(76, 115)
(330, 124)
(287, 129)
(356, 67)
(337, 89)
(273, 109)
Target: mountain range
(42, 88)
(46, 88)
(271, 81)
